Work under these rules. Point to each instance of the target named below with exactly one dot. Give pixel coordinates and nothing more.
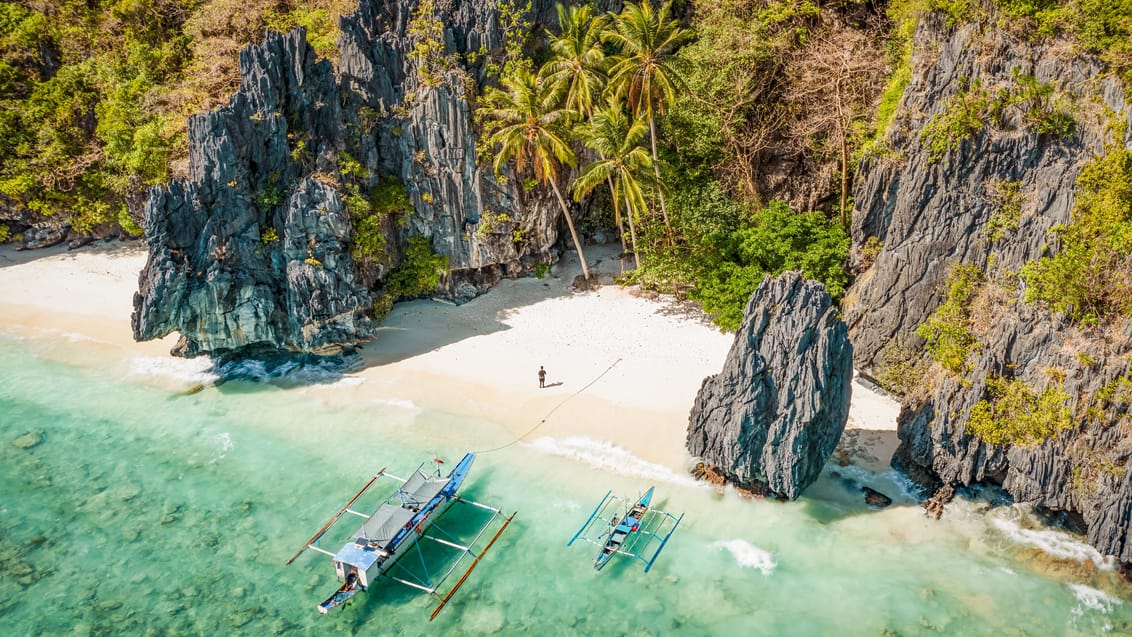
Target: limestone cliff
(930, 210)
(772, 418)
(251, 250)
(259, 247)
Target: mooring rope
(554, 409)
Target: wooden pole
(334, 519)
(476, 561)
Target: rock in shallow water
(875, 498)
(773, 416)
(29, 440)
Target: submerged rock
(772, 418)
(933, 506)
(875, 498)
(28, 440)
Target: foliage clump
(948, 330)
(387, 201)
(771, 241)
(1006, 198)
(1013, 413)
(1090, 276)
(94, 95)
(902, 369)
(420, 273)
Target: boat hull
(622, 529)
(358, 576)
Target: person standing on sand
(541, 377)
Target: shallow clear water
(127, 509)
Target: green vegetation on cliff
(1101, 27)
(420, 273)
(94, 95)
(1088, 277)
(1014, 413)
(948, 331)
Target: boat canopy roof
(420, 488)
(384, 524)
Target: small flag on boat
(438, 461)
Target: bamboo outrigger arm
(316, 536)
(476, 561)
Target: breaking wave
(748, 555)
(1090, 598)
(1052, 541)
(604, 455)
(183, 371)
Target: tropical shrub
(1014, 413)
(947, 331)
(771, 241)
(420, 273)
(1090, 275)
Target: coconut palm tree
(578, 61)
(579, 66)
(525, 119)
(618, 143)
(644, 75)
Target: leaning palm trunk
(659, 188)
(616, 213)
(573, 233)
(632, 233)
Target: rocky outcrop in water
(932, 212)
(772, 418)
(262, 245)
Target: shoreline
(622, 369)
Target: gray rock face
(254, 249)
(251, 250)
(932, 215)
(773, 416)
(1082, 470)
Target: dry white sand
(621, 369)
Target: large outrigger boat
(628, 531)
(395, 528)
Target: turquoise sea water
(126, 509)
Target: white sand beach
(621, 369)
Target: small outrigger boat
(630, 532)
(395, 528)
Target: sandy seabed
(622, 369)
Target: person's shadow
(552, 384)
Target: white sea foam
(1052, 541)
(1090, 603)
(908, 488)
(73, 337)
(606, 456)
(226, 445)
(188, 371)
(905, 489)
(1092, 599)
(748, 555)
(399, 403)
